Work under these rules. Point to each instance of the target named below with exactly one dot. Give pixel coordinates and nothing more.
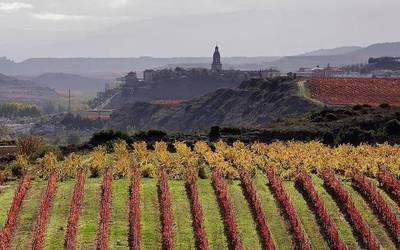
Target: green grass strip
(87, 225)
(344, 228)
(119, 214)
(243, 217)
(58, 216)
(149, 215)
(306, 216)
(276, 222)
(368, 215)
(213, 223)
(6, 198)
(184, 234)
(27, 216)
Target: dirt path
(305, 92)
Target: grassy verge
(87, 225)
(344, 228)
(276, 222)
(119, 214)
(29, 211)
(58, 216)
(306, 216)
(184, 234)
(149, 215)
(212, 219)
(374, 224)
(6, 197)
(244, 219)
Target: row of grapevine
(300, 238)
(197, 213)
(41, 223)
(221, 192)
(381, 208)
(164, 199)
(134, 210)
(7, 231)
(303, 181)
(74, 211)
(345, 202)
(104, 213)
(250, 193)
(391, 184)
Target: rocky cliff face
(255, 103)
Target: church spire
(216, 65)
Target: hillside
(63, 82)
(12, 89)
(253, 103)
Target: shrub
(392, 127)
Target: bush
(354, 136)
(215, 133)
(108, 136)
(392, 127)
(385, 105)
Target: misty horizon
(126, 29)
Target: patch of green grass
(119, 214)
(6, 198)
(149, 215)
(275, 220)
(374, 224)
(306, 216)
(243, 217)
(183, 230)
(27, 216)
(58, 216)
(344, 228)
(213, 223)
(88, 220)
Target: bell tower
(216, 65)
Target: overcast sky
(91, 15)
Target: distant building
(148, 75)
(131, 79)
(269, 73)
(327, 72)
(216, 65)
(320, 72)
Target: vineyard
(290, 195)
(352, 91)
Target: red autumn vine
(134, 210)
(104, 213)
(344, 200)
(7, 231)
(197, 213)
(74, 212)
(301, 240)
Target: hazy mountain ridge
(292, 63)
(13, 89)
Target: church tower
(216, 65)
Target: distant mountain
(113, 66)
(13, 89)
(253, 103)
(63, 82)
(361, 55)
(332, 52)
